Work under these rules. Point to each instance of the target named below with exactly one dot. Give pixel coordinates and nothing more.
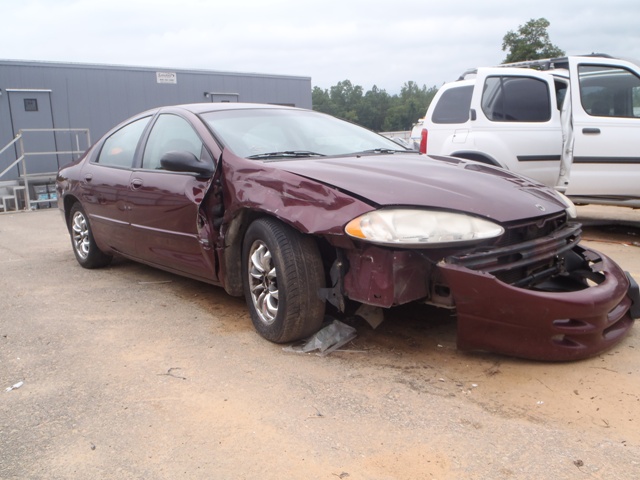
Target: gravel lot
(134, 373)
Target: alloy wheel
(80, 235)
(263, 283)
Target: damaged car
(305, 214)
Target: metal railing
(75, 151)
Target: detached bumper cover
(543, 325)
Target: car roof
(198, 108)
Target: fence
(74, 145)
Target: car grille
(519, 232)
(528, 252)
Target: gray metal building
(50, 95)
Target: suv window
(516, 99)
(609, 91)
(562, 87)
(118, 150)
(453, 106)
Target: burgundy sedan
(305, 214)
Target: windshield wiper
(383, 150)
(287, 154)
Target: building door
(218, 97)
(31, 109)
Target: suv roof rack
(542, 64)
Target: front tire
(84, 245)
(282, 274)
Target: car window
(170, 133)
(516, 99)
(118, 150)
(609, 91)
(250, 132)
(453, 106)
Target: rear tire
(84, 245)
(282, 274)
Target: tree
(415, 100)
(530, 42)
(346, 98)
(375, 109)
(322, 101)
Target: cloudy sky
(383, 43)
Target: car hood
(435, 182)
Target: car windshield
(284, 133)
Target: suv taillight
(423, 141)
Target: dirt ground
(133, 373)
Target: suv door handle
(591, 131)
(136, 183)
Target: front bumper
(543, 325)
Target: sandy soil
(131, 372)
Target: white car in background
(572, 123)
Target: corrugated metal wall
(100, 96)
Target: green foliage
(530, 42)
(375, 109)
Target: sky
(381, 43)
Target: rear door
(515, 115)
(104, 185)
(606, 123)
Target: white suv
(572, 123)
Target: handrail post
(77, 135)
(27, 197)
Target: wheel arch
(231, 255)
(68, 202)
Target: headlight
(571, 208)
(415, 228)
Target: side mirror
(183, 161)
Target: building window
(30, 105)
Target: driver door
(169, 229)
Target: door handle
(592, 131)
(136, 183)
(88, 177)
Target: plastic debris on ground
(14, 387)
(373, 315)
(326, 340)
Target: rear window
(453, 106)
(118, 150)
(516, 99)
